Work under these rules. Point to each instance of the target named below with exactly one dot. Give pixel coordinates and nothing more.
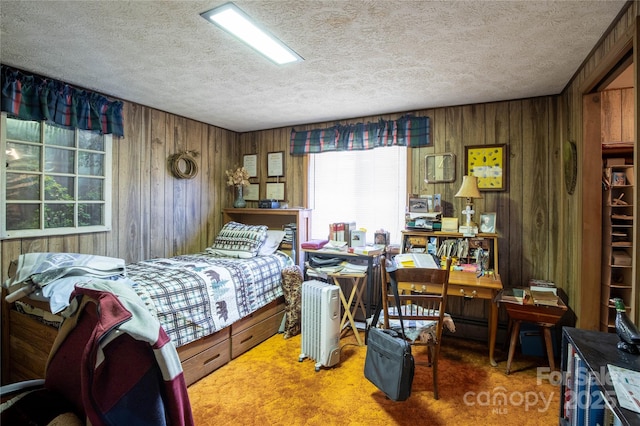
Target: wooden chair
(423, 300)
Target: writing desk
(461, 284)
(467, 284)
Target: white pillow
(271, 243)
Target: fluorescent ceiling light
(233, 20)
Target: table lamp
(469, 190)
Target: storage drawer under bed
(256, 328)
(205, 355)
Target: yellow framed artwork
(489, 164)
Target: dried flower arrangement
(239, 176)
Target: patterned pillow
(292, 288)
(239, 240)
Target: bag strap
(376, 316)
(394, 288)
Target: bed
(214, 305)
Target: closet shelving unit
(617, 241)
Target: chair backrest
(422, 292)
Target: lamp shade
(469, 188)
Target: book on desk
(513, 295)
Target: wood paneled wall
(580, 219)
(154, 214)
(527, 211)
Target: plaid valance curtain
(31, 97)
(409, 131)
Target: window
(368, 187)
(55, 180)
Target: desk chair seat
(416, 329)
(423, 314)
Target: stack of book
(289, 233)
(428, 221)
(543, 293)
(341, 231)
(513, 295)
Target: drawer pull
(474, 293)
(246, 340)
(423, 289)
(210, 360)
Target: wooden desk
(545, 316)
(467, 284)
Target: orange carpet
(269, 386)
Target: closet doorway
(608, 139)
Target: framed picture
(487, 223)
(449, 224)
(251, 164)
(418, 205)
(440, 167)
(489, 164)
(275, 164)
(275, 191)
(252, 192)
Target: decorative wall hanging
(183, 164)
(489, 164)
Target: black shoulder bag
(389, 364)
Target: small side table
(358, 279)
(544, 316)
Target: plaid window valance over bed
(409, 131)
(31, 97)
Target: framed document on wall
(251, 164)
(275, 164)
(252, 192)
(275, 191)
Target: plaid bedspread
(196, 295)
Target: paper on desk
(352, 267)
(335, 245)
(415, 260)
(627, 385)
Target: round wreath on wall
(183, 164)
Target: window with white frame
(55, 180)
(365, 187)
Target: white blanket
(42, 268)
(53, 275)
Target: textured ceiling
(361, 57)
